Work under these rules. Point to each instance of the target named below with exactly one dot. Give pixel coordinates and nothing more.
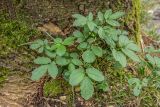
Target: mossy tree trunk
(132, 19)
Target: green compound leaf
(53, 70)
(74, 55)
(110, 42)
(42, 60)
(83, 45)
(90, 16)
(113, 23)
(77, 62)
(35, 46)
(57, 40)
(80, 37)
(80, 20)
(76, 76)
(120, 57)
(47, 47)
(62, 61)
(107, 14)
(101, 33)
(87, 88)
(97, 51)
(71, 67)
(88, 56)
(100, 16)
(53, 47)
(39, 72)
(123, 40)
(61, 50)
(95, 74)
(91, 25)
(78, 34)
(91, 40)
(132, 81)
(137, 90)
(133, 47)
(50, 54)
(69, 41)
(39, 41)
(131, 55)
(41, 49)
(116, 15)
(103, 86)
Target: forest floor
(17, 90)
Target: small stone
(62, 98)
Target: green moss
(3, 75)
(57, 88)
(54, 88)
(137, 10)
(133, 20)
(13, 33)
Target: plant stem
(28, 43)
(49, 35)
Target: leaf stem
(28, 43)
(49, 35)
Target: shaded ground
(17, 91)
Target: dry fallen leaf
(50, 27)
(42, 29)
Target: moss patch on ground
(14, 33)
(4, 72)
(56, 87)
(59, 89)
